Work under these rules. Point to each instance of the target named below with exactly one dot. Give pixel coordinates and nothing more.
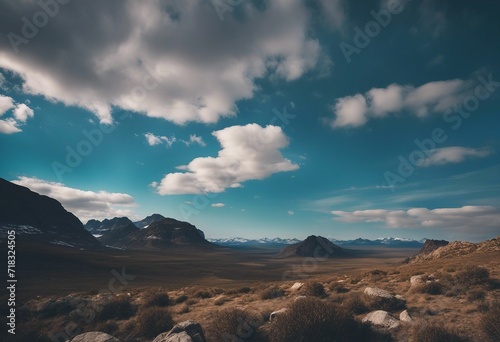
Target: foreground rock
(276, 314)
(376, 292)
(405, 317)
(416, 280)
(382, 319)
(95, 336)
(187, 331)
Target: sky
(253, 119)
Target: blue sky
(257, 118)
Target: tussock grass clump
(428, 332)
(181, 299)
(432, 288)
(338, 287)
(118, 308)
(490, 323)
(152, 322)
(354, 304)
(476, 294)
(472, 275)
(160, 299)
(272, 293)
(312, 319)
(234, 324)
(314, 289)
(203, 294)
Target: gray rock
(375, 292)
(415, 280)
(296, 286)
(277, 313)
(187, 331)
(405, 317)
(95, 336)
(381, 318)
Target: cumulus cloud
(85, 205)
(218, 205)
(157, 140)
(291, 212)
(453, 154)
(248, 152)
(432, 97)
(167, 59)
(194, 139)
(6, 103)
(21, 113)
(462, 219)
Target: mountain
(440, 249)
(144, 223)
(264, 242)
(99, 227)
(314, 246)
(166, 233)
(279, 242)
(40, 218)
(115, 231)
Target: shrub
(157, 299)
(244, 290)
(476, 294)
(153, 321)
(354, 304)
(381, 303)
(184, 308)
(234, 325)
(272, 293)
(314, 289)
(338, 287)
(432, 288)
(312, 319)
(490, 323)
(203, 294)
(181, 299)
(433, 333)
(472, 275)
(118, 308)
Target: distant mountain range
(276, 242)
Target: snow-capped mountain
(266, 242)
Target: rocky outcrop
(95, 336)
(314, 247)
(440, 249)
(40, 218)
(187, 331)
(382, 319)
(144, 223)
(404, 316)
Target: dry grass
(431, 332)
(490, 323)
(152, 322)
(234, 325)
(272, 292)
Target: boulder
(415, 280)
(277, 313)
(405, 317)
(381, 318)
(375, 292)
(187, 331)
(296, 286)
(94, 336)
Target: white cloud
(432, 97)
(6, 103)
(194, 139)
(334, 13)
(460, 219)
(85, 205)
(453, 154)
(9, 126)
(248, 152)
(167, 59)
(218, 205)
(156, 140)
(23, 112)
(291, 212)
